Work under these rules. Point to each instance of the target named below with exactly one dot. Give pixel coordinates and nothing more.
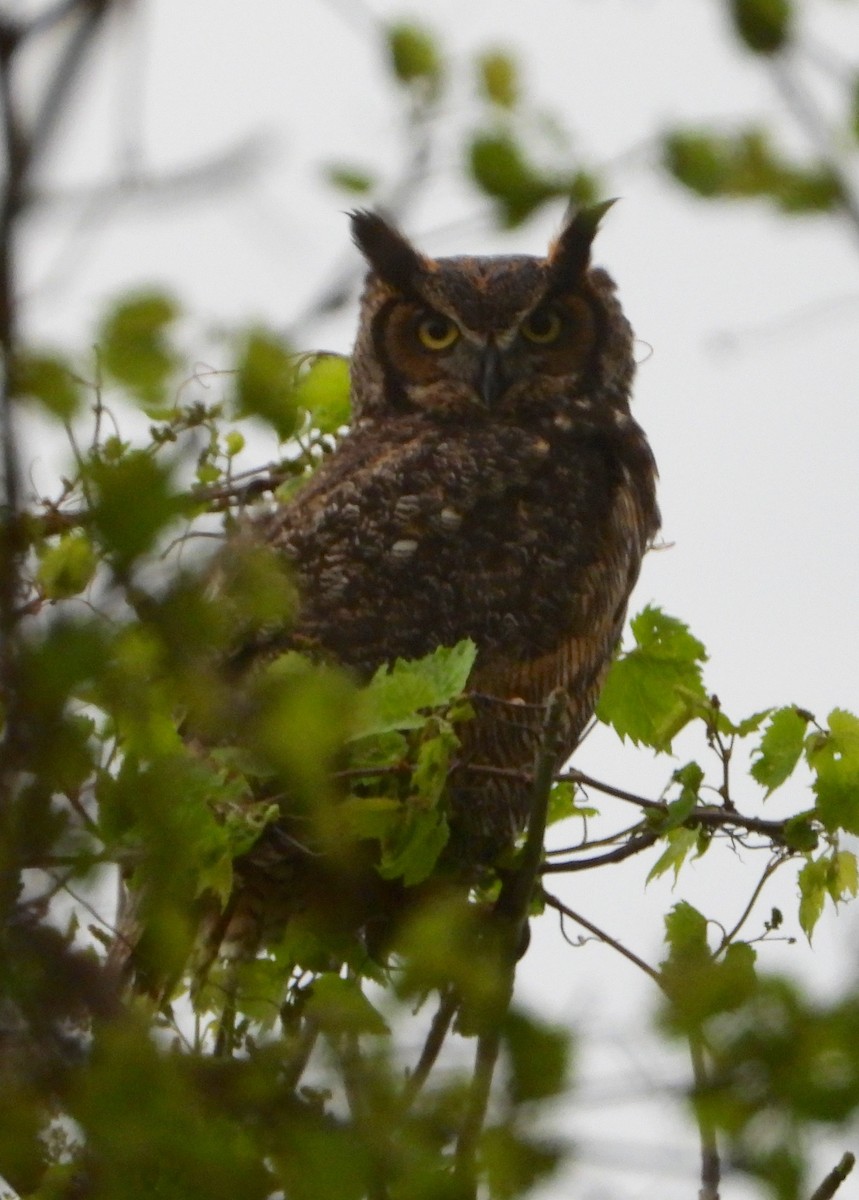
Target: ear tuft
(388, 252)
(570, 254)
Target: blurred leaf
(745, 165)
(539, 1057)
(324, 391)
(415, 55)
(49, 379)
(764, 25)
(396, 694)
(500, 169)
(514, 1163)
(834, 758)
(66, 568)
(780, 748)
(340, 1007)
(135, 502)
(499, 78)
(350, 179)
(265, 382)
(563, 804)
(135, 349)
(699, 985)
(641, 698)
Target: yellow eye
(437, 332)
(542, 327)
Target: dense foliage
(319, 1061)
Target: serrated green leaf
(686, 932)
(67, 568)
(763, 25)
(813, 880)
(323, 390)
(844, 875)
(49, 379)
(498, 76)
(641, 698)
(563, 804)
(413, 853)
(134, 346)
(680, 843)
(397, 695)
(265, 382)
(834, 758)
(339, 1006)
(780, 748)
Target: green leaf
(499, 168)
(413, 852)
(67, 568)
(135, 502)
(539, 1057)
(340, 1007)
(680, 843)
(642, 696)
(498, 76)
(834, 758)
(324, 391)
(135, 349)
(415, 56)
(800, 833)
(844, 876)
(745, 165)
(350, 179)
(686, 932)
(265, 382)
(763, 25)
(50, 380)
(369, 817)
(813, 888)
(563, 804)
(396, 695)
(780, 748)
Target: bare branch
(634, 846)
(432, 1046)
(711, 1172)
(565, 911)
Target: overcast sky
(747, 385)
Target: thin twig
(635, 845)
(774, 863)
(447, 1007)
(565, 911)
(711, 1172)
(835, 1178)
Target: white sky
(758, 444)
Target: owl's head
(495, 335)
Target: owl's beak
(491, 379)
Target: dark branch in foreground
(835, 1178)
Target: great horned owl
(493, 486)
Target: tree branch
(835, 1178)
